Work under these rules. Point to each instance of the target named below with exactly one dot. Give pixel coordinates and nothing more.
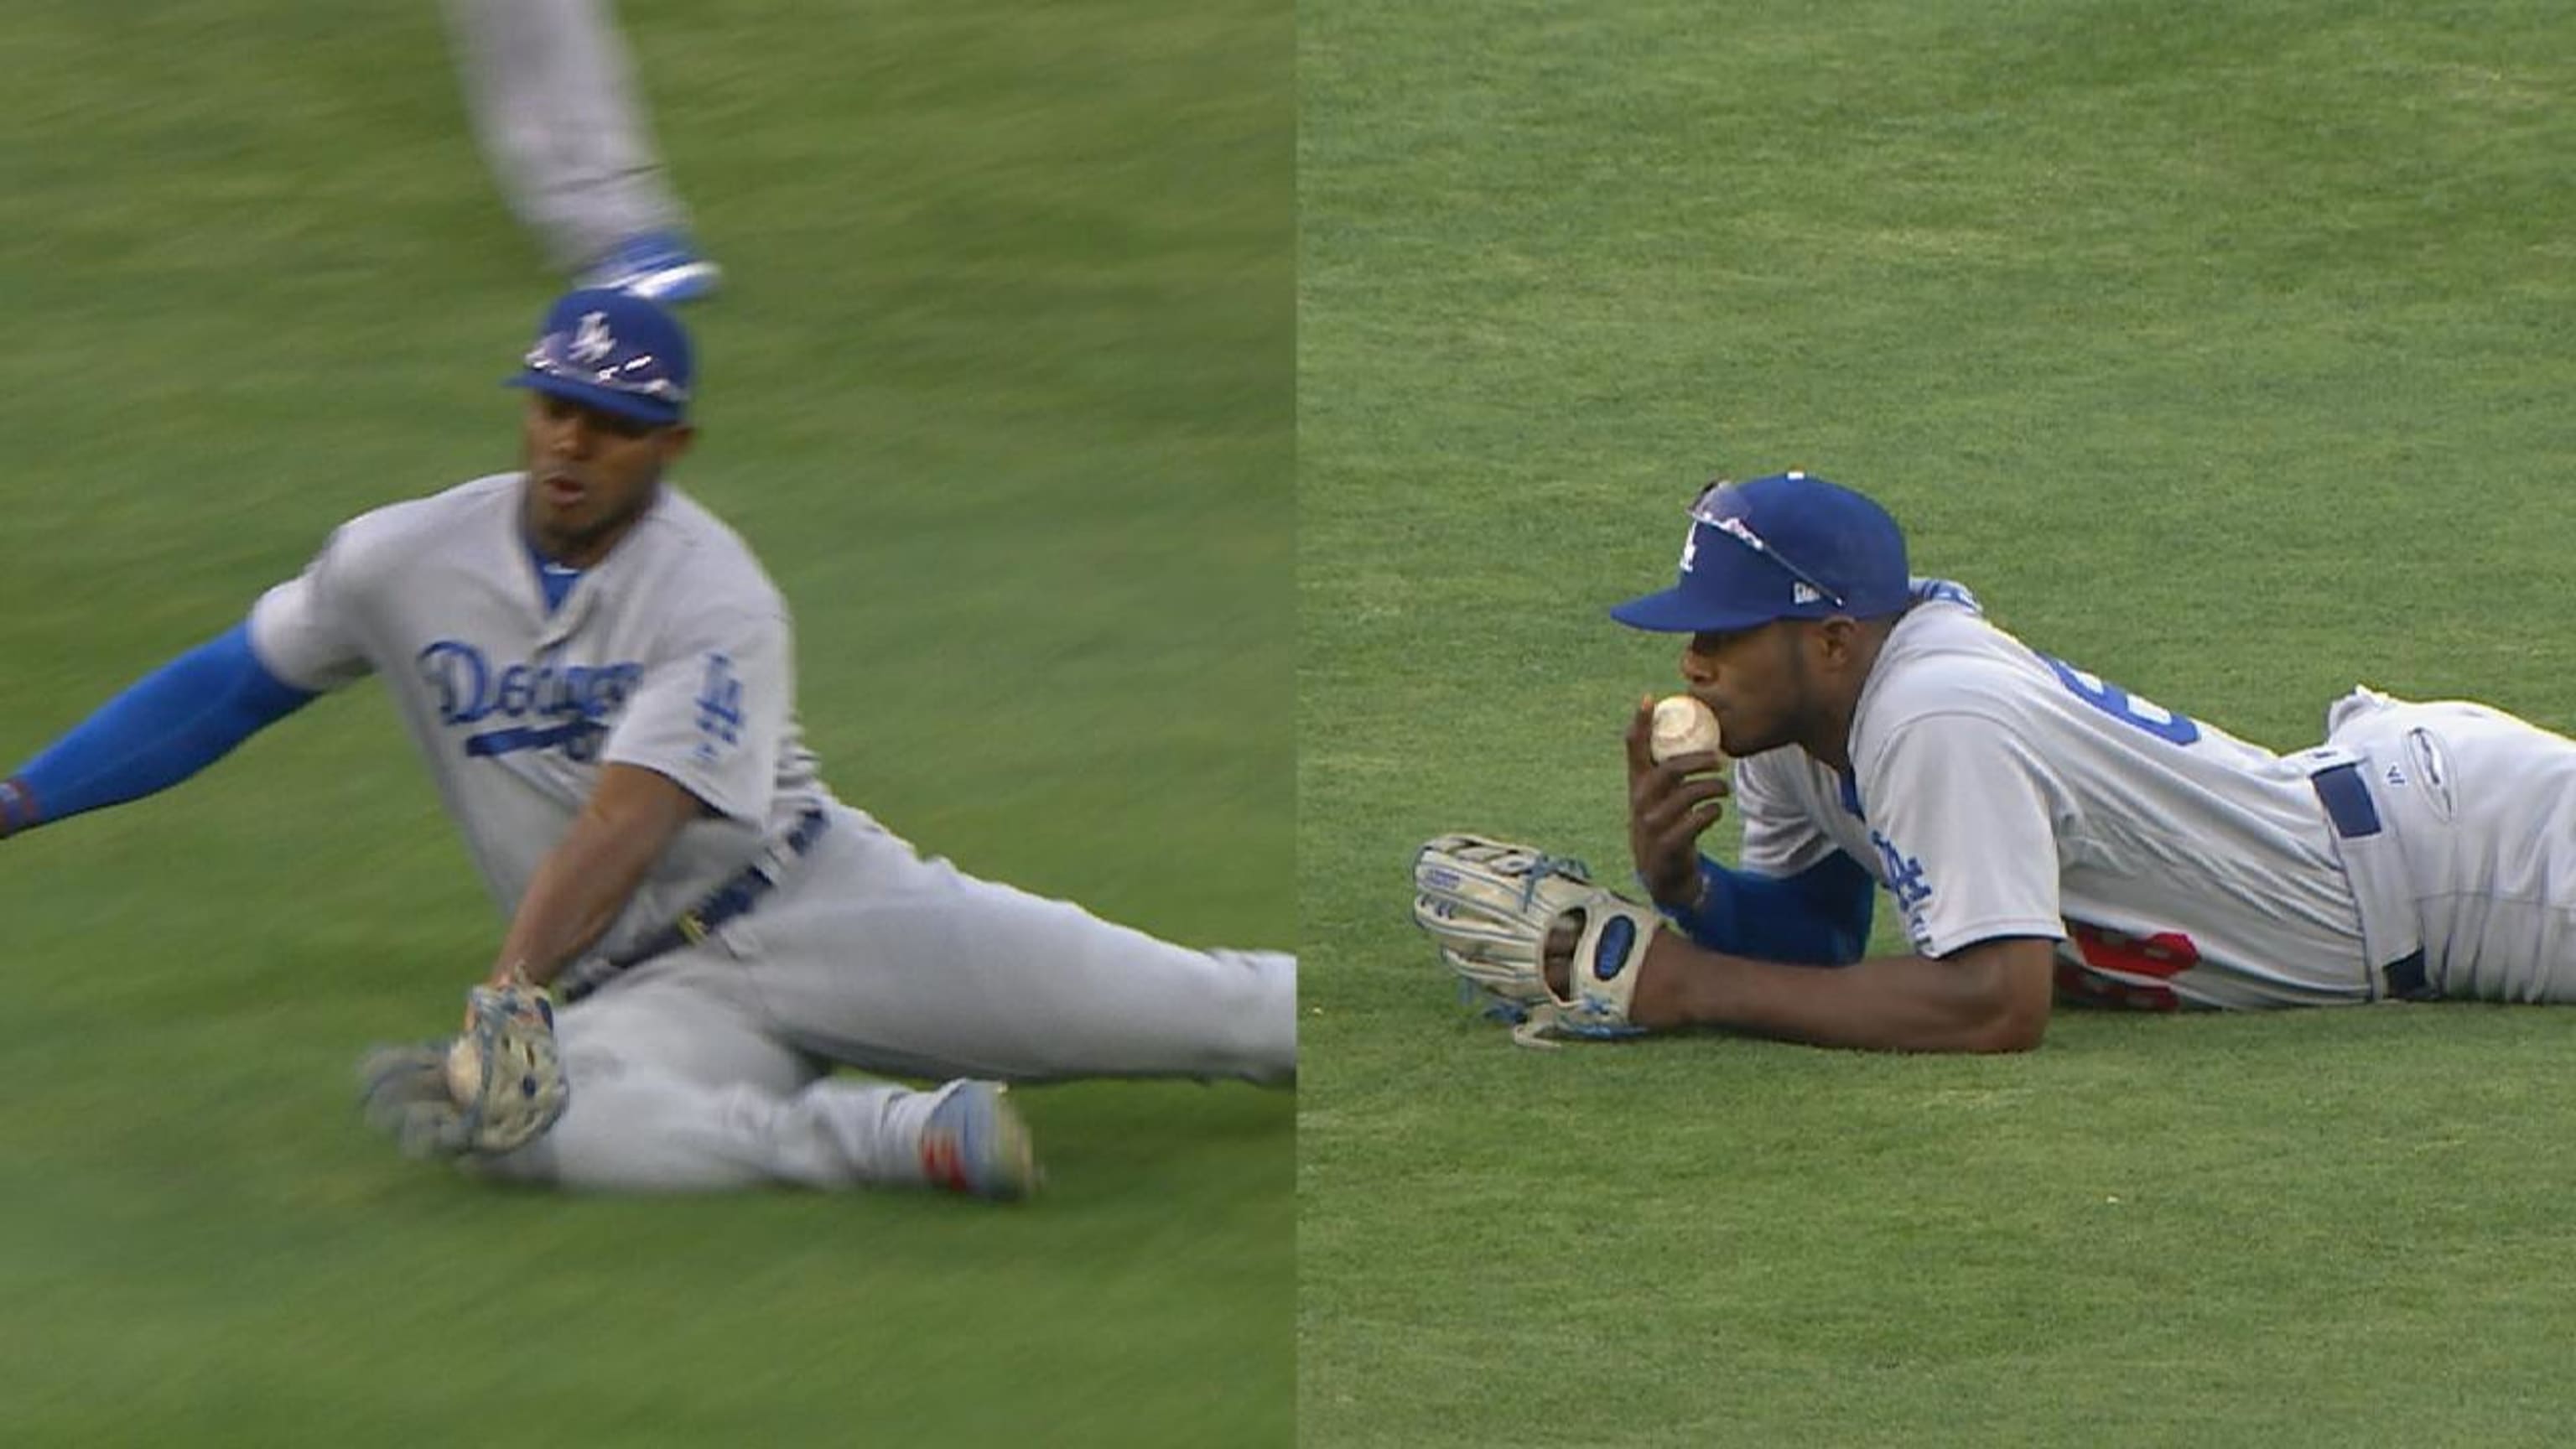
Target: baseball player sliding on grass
(2045, 834)
(599, 675)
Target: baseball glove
(1490, 904)
(495, 1087)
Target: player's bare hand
(1669, 806)
(1556, 955)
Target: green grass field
(1001, 390)
(2222, 348)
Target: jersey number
(2123, 706)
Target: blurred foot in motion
(552, 91)
(657, 266)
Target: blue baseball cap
(1783, 547)
(612, 351)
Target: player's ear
(1837, 642)
(1832, 638)
(676, 440)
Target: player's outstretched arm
(624, 827)
(171, 724)
(1992, 996)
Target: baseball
(464, 1070)
(1682, 726)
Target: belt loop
(2407, 980)
(2373, 857)
(2346, 796)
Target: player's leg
(2486, 807)
(551, 90)
(677, 1088)
(889, 962)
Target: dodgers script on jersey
(1998, 792)
(673, 653)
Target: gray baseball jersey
(673, 654)
(704, 1067)
(1997, 792)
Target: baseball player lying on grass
(2045, 833)
(598, 674)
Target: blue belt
(2354, 815)
(734, 898)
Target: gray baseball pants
(710, 1067)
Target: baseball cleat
(976, 1143)
(658, 266)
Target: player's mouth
(562, 492)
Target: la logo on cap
(1690, 547)
(591, 340)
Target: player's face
(1754, 680)
(1789, 682)
(591, 474)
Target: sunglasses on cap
(573, 358)
(1712, 507)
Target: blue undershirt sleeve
(174, 722)
(1818, 917)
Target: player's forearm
(1818, 917)
(1978, 1001)
(631, 817)
(577, 894)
